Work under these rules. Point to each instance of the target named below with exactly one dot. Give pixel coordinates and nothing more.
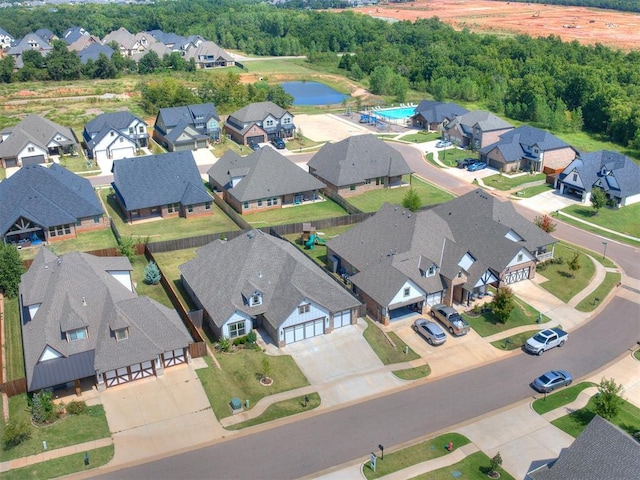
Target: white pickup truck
(545, 340)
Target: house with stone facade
(475, 129)
(259, 122)
(434, 116)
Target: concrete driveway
(549, 201)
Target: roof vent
(259, 274)
(84, 302)
(59, 261)
(251, 234)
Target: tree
(574, 264)
(11, 269)
(266, 368)
(63, 64)
(14, 433)
(42, 408)
(151, 274)
(149, 63)
(411, 201)
(494, 463)
(608, 399)
(503, 304)
(598, 199)
(127, 247)
(545, 223)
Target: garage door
(183, 147)
(495, 164)
(36, 159)
(11, 162)
(201, 143)
(174, 357)
(116, 377)
(304, 330)
(517, 276)
(342, 319)
(120, 153)
(256, 139)
(141, 370)
(434, 298)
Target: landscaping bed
(282, 409)
(487, 323)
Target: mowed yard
(295, 214)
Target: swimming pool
(398, 113)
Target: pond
(312, 93)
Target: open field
(586, 25)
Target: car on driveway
(548, 382)
(443, 143)
(466, 162)
(278, 143)
(451, 319)
(477, 166)
(431, 331)
(254, 146)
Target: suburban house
(92, 51)
(602, 451)
(130, 45)
(35, 140)
(47, 35)
(41, 204)
(259, 281)
(160, 186)
(263, 180)
(358, 164)
(31, 41)
(5, 39)
(433, 116)
(259, 122)
(398, 262)
(73, 34)
(209, 55)
(187, 128)
(616, 174)
(115, 135)
(476, 129)
(530, 149)
(82, 318)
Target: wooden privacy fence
(14, 387)
(343, 202)
(231, 213)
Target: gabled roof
(154, 180)
(37, 130)
(356, 159)
(437, 112)
(266, 174)
(80, 285)
(601, 452)
(4, 33)
(73, 34)
(172, 116)
(615, 172)
(46, 196)
(117, 120)
(93, 52)
(46, 34)
(222, 271)
(512, 144)
(208, 49)
(25, 44)
(122, 37)
(257, 112)
(485, 121)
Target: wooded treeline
(555, 84)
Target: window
(269, 123)
(236, 329)
(367, 181)
(520, 257)
(306, 308)
(141, 129)
(275, 200)
(352, 187)
(121, 334)
(31, 149)
(575, 177)
(207, 206)
(256, 299)
(132, 130)
(286, 121)
(190, 208)
(121, 140)
(78, 334)
(269, 202)
(260, 202)
(432, 271)
(407, 291)
(97, 218)
(113, 134)
(173, 208)
(245, 205)
(378, 181)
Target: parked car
(431, 331)
(443, 143)
(278, 143)
(450, 319)
(546, 340)
(477, 166)
(548, 382)
(254, 146)
(466, 162)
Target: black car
(466, 162)
(254, 146)
(278, 143)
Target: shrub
(76, 407)
(477, 309)
(151, 274)
(15, 432)
(42, 408)
(252, 337)
(240, 341)
(224, 345)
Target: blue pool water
(312, 93)
(398, 113)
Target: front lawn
(514, 341)
(240, 375)
(623, 220)
(13, 339)
(388, 353)
(418, 453)
(504, 182)
(70, 430)
(474, 467)
(628, 419)
(450, 156)
(591, 301)
(282, 409)
(78, 164)
(487, 323)
(597, 230)
(560, 398)
(529, 192)
(413, 373)
(420, 137)
(562, 282)
(295, 214)
(372, 200)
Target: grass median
(282, 409)
(560, 398)
(388, 346)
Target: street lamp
(604, 254)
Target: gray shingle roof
(268, 174)
(117, 120)
(155, 180)
(357, 159)
(486, 121)
(186, 115)
(222, 271)
(511, 143)
(437, 112)
(601, 452)
(93, 52)
(80, 285)
(46, 196)
(37, 130)
(256, 112)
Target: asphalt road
(308, 446)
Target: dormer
(465, 262)
(255, 299)
(513, 236)
(251, 294)
(427, 267)
(236, 175)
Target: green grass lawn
(529, 192)
(420, 137)
(450, 156)
(13, 339)
(169, 263)
(152, 291)
(319, 252)
(295, 214)
(597, 230)
(168, 228)
(622, 220)
(372, 201)
(85, 242)
(560, 398)
(240, 377)
(70, 430)
(636, 354)
(589, 303)
(504, 182)
(387, 353)
(514, 341)
(487, 323)
(282, 409)
(560, 281)
(413, 373)
(418, 453)
(474, 467)
(78, 164)
(59, 467)
(628, 419)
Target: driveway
(549, 201)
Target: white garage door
(141, 370)
(516, 276)
(120, 153)
(434, 298)
(116, 377)
(174, 357)
(342, 319)
(304, 330)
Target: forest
(555, 84)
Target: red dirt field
(586, 25)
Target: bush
(224, 345)
(151, 274)
(42, 408)
(252, 337)
(240, 341)
(15, 432)
(76, 407)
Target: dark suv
(278, 143)
(466, 162)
